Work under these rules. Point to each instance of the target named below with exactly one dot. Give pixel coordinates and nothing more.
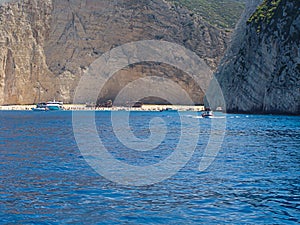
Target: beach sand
(82, 107)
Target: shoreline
(83, 107)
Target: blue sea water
(44, 179)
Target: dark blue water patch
(253, 180)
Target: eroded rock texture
(261, 70)
(46, 45)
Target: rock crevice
(260, 72)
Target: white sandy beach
(82, 107)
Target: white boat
(207, 113)
(41, 107)
(54, 105)
(45, 106)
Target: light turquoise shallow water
(45, 180)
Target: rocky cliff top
(223, 14)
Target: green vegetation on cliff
(260, 72)
(265, 11)
(223, 14)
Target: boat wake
(218, 117)
(211, 117)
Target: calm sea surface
(44, 179)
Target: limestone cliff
(24, 74)
(46, 45)
(261, 71)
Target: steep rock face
(24, 74)
(261, 71)
(83, 30)
(64, 37)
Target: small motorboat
(40, 107)
(207, 113)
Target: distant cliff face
(261, 71)
(46, 45)
(23, 69)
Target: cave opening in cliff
(158, 72)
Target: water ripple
(254, 179)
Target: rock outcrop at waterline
(46, 45)
(261, 70)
